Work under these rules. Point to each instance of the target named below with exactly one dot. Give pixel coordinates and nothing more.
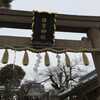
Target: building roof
(87, 83)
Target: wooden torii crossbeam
(65, 23)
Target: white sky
(76, 7)
(80, 7)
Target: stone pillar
(94, 36)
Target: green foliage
(11, 74)
(5, 3)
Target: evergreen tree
(10, 77)
(5, 3)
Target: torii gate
(65, 23)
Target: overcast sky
(79, 7)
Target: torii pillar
(94, 36)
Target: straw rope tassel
(85, 59)
(67, 60)
(5, 57)
(25, 58)
(47, 61)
